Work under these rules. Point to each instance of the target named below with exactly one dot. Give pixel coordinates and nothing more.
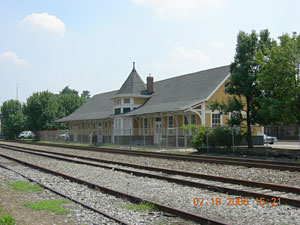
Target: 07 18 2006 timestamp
(234, 201)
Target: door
(157, 132)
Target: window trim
(211, 119)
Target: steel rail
(135, 199)
(275, 187)
(207, 159)
(67, 197)
(215, 188)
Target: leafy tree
(243, 82)
(68, 104)
(85, 94)
(41, 111)
(67, 91)
(279, 81)
(13, 118)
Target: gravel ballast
(94, 198)
(177, 196)
(236, 172)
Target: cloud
(218, 44)
(45, 22)
(181, 9)
(11, 57)
(181, 60)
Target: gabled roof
(179, 93)
(98, 107)
(174, 94)
(133, 85)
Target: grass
(24, 186)
(7, 220)
(141, 207)
(50, 205)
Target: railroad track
(212, 187)
(196, 158)
(134, 199)
(67, 197)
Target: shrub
(222, 137)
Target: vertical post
(232, 128)
(130, 136)
(167, 137)
(185, 141)
(206, 131)
(159, 132)
(299, 134)
(177, 137)
(144, 137)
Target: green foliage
(222, 137)
(243, 83)
(13, 118)
(24, 186)
(67, 91)
(50, 205)
(199, 136)
(41, 110)
(85, 94)
(141, 207)
(279, 81)
(7, 220)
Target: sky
(91, 44)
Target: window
(185, 122)
(117, 101)
(117, 111)
(193, 119)
(125, 110)
(171, 125)
(88, 125)
(145, 126)
(215, 120)
(126, 100)
(171, 122)
(99, 124)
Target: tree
(13, 118)
(243, 82)
(41, 111)
(279, 81)
(66, 90)
(85, 94)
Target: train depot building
(151, 113)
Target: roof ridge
(191, 73)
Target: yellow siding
(198, 120)
(139, 101)
(219, 95)
(207, 119)
(225, 119)
(256, 131)
(180, 121)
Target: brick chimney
(150, 84)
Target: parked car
(64, 136)
(269, 139)
(26, 134)
(1, 135)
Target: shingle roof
(133, 85)
(98, 107)
(177, 93)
